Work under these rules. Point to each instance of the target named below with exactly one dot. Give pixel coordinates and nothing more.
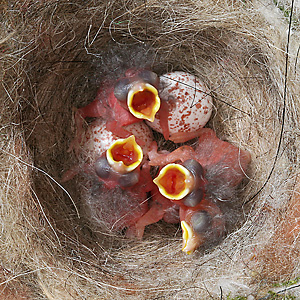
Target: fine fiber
(54, 55)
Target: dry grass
(53, 56)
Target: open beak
(174, 181)
(124, 155)
(191, 241)
(143, 101)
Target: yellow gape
(143, 101)
(124, 155)
(174, 181)
(191, 241)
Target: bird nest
(54, 55)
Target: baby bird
(176, 104)
(186, 182)
(131, 99)
(114, 152)
(115, 174)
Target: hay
(53, 55)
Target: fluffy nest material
(54, 54)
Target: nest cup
(55, 55)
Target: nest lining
(55, 60)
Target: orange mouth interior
(173, 181)
(143, 102)
(125, 152)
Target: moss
(235, 298)
(291, 282)
(276, 296)
(286, 12)
(287, 283)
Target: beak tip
(151, 119)
(190, 240)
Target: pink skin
(163, 209)
(218, 222)
(182, 154)
(163, 115)
(182, 137)
(89, 145)
(129, 220)
(95, 140)
(116, 116)
(133, 203)
(160, 209)
(118, 213)
(209, 152)
(189, 106)
(139, 191)
(114, 112)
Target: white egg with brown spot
(97, 139)
(189, 105)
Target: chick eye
(149, 77)
(194, 167)
(201, 221)
(102, 167)
(193, 198)
(121, 89)
(129, 179)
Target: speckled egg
(97, 139)
(189, 105)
